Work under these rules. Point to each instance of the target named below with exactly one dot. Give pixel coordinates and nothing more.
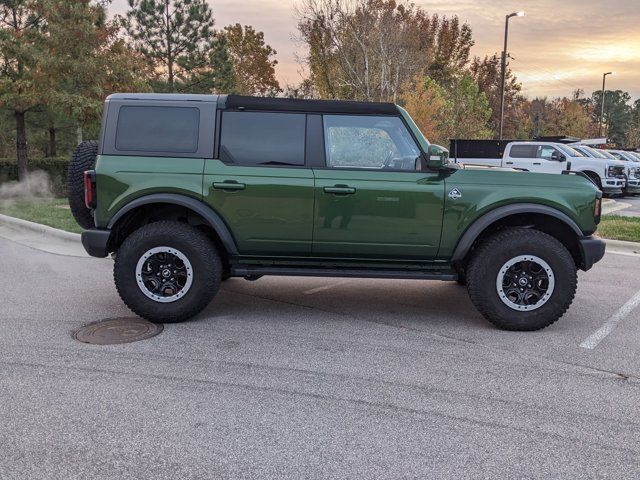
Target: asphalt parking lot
(315, 378)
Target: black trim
(245, 271)
(592, 250)
(96, 242)
(314, 148)
(473, 232)
(212, 218)
(236, 102)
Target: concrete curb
(39, 228)
(620, 246)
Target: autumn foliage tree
(20, 38)
(369, 49)
(253, 62)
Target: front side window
(546, 151)
(262, 138)
(373, 142)
(158, 129)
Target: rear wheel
(522, 279)
(167, 271)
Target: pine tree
(170, 33)
(20, 37)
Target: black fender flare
(479, 225)
(211, 216)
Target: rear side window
(262, 138)
(158, 129)
(523, 151)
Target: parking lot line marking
(612, 322)
(323, 288)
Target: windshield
(594, 153)
(571, 152)
(627, 156)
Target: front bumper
(613, 186)
(633, 186)
(96, 242)
(592, 250)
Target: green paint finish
(121, 179)
(269, 210)
(484, 189)
(377, 214)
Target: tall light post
(604, 79)
(504, 66)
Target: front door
(260, 185)
(549, 160)
(372, 200)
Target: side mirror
(438, 157)
(558, 157)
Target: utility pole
(504, 66)
(604, 79)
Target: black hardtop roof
(237, 102)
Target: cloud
(557, 47)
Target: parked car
(632, 169)
(632, 182)
(552, 157)
(188, 190)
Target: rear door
(521, 155)
(370, 199)
(260, 185)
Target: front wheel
(167, 271)
(522, 279)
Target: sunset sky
(560, 45)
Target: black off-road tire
(83, 158)
(483, 269)
(194, 244)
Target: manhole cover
(117, 330)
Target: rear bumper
(592, 250)
(96, 242)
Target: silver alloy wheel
(525, 283)
(164, 274)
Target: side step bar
(257, 271)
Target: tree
(211, 71)
(20, 38)
(369, 49)
(82, 59)
(427, 104)
(617, 113)
(167, 32)
(461, 111)
(487, 73)
(252, 60)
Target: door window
(262, 138)
(523, 151)
(546, 151)
(369, 142)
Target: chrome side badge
(455, 194)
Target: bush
(56, 168)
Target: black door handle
(340, 190)
(229, 185)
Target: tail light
(90, 189)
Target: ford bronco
(186, 191)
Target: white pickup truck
(551, 157)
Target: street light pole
(604, 79)
(504, 66)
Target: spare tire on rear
(83, 158)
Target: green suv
(188, 190)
